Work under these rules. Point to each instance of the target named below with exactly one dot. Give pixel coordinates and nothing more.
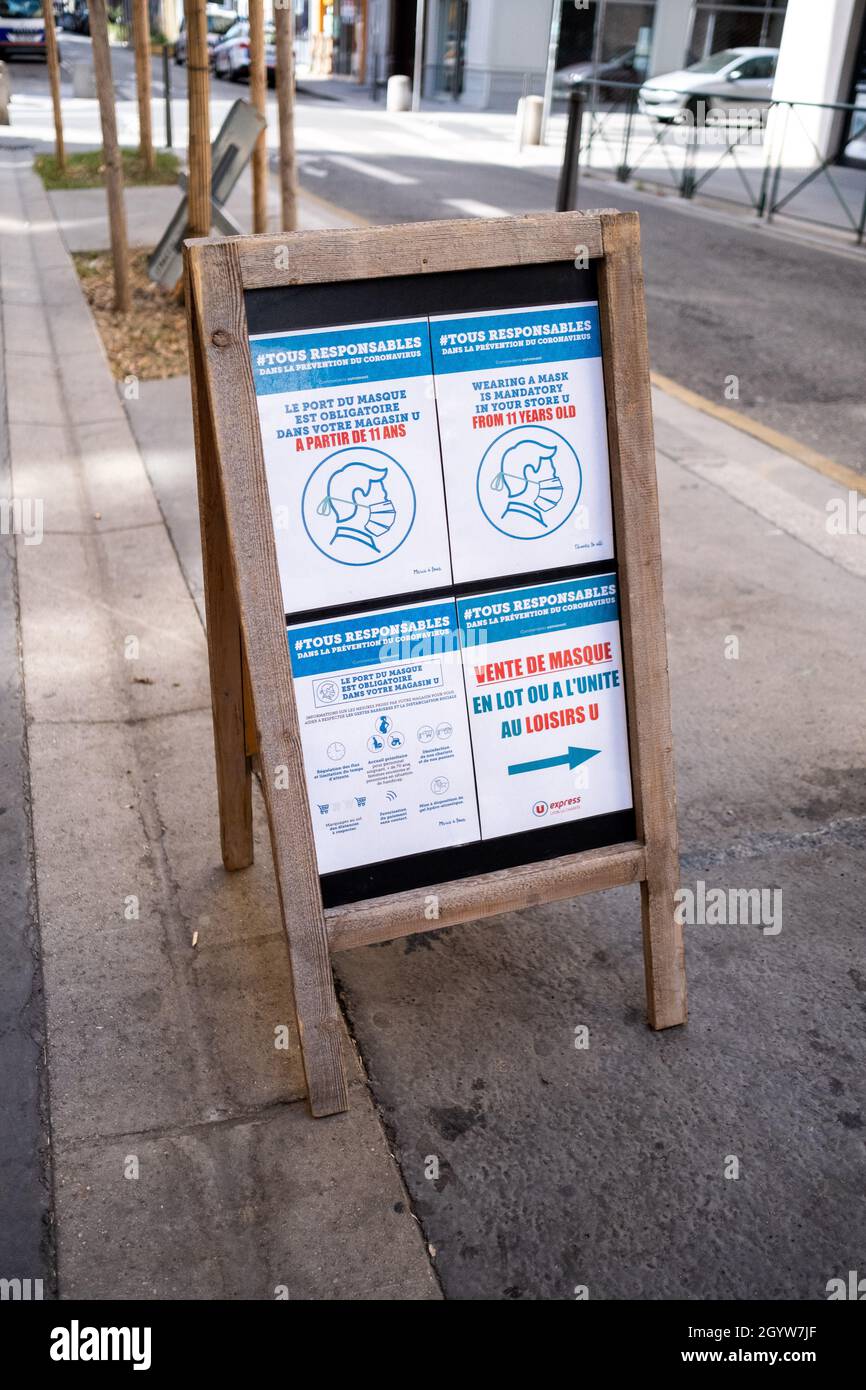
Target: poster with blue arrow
(546, 700)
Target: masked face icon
(358, 500)
(527, 472)
(382, 515)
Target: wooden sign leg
(638, 544)
(663, 948)
(230, 440)
(225, 644)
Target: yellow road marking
(304, 195)
(839, 472)
(774, 439)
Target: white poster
(520, 398)
(544, 685)
(354, 471)
(382, 712)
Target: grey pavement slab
(168, 990)
(261, 1207)
(26, 1236)
(161, 422)
(606, 1167)
(81, 212)
(534, 1166)
(82, 216)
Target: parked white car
(219, 20)
(231, 57)
(723, 82)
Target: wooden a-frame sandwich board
(254, 709)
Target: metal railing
(760, 155)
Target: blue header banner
(518, 338)
(343, 644)
(504, 617)
(338, 357)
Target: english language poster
(520, 397)
(354, 471)
(544, 685)
(385, 737)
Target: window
(758, 67)
(716, 62)
(21, 9)
(220, 23)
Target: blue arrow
(574, 757)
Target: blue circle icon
(358, 506)
(529, 482)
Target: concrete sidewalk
(607, 1168)
(185, 1161)
(80, 213)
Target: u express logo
(540, 808)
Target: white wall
(504, 40)
(671, 28)
(816, 60)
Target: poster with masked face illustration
(520, 398)
(354, 471)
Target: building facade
(485, 54)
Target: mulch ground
(150, 341)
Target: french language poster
(384, 730)
(351, 450)
(544, 682)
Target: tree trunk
(111, 152)
(198, 77)
(54, 78)
(141, 38)
(258, 87)
(285, 22)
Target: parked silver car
(219, 20)
(231, 56)
(724, 81)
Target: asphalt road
(786, 317)
(726, 298)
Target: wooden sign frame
(254, 713)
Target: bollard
(83, 80)
(166, 83)
(399, 94)
(530, 117)
(5, 93)
(566, 193)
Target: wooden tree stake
(141, 39)
(111, 152)
(285, 25)
(54, 79)
(198, 81)
(258, 90)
